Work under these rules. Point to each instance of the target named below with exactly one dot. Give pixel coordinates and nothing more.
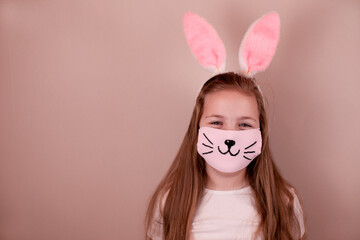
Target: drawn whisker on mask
(247, 158)
(208, 139)
(250, 145)
(250, 152)
(207, 152)
(206, 145)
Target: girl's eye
(216, 123)
(245, 125)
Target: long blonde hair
(186, 178)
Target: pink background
(96, 95)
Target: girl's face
(230, 110)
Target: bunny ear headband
(256, 50)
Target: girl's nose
(229, 143)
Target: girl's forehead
(229, 96)
(231, 101)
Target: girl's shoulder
(155, 231)
(298, 210)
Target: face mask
(228, 151)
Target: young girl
(223, 183)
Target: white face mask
(226, 150)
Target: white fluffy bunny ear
(259, 44)
(204, 43)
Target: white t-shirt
(225, 215)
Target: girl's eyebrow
(245, 118)
(215, 115)
(240, 118)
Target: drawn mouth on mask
(228, 151)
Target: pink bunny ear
(259, 44)
(204, 43)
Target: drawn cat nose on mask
(229, 143)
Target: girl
(223, 183)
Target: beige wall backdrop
(96, 95)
